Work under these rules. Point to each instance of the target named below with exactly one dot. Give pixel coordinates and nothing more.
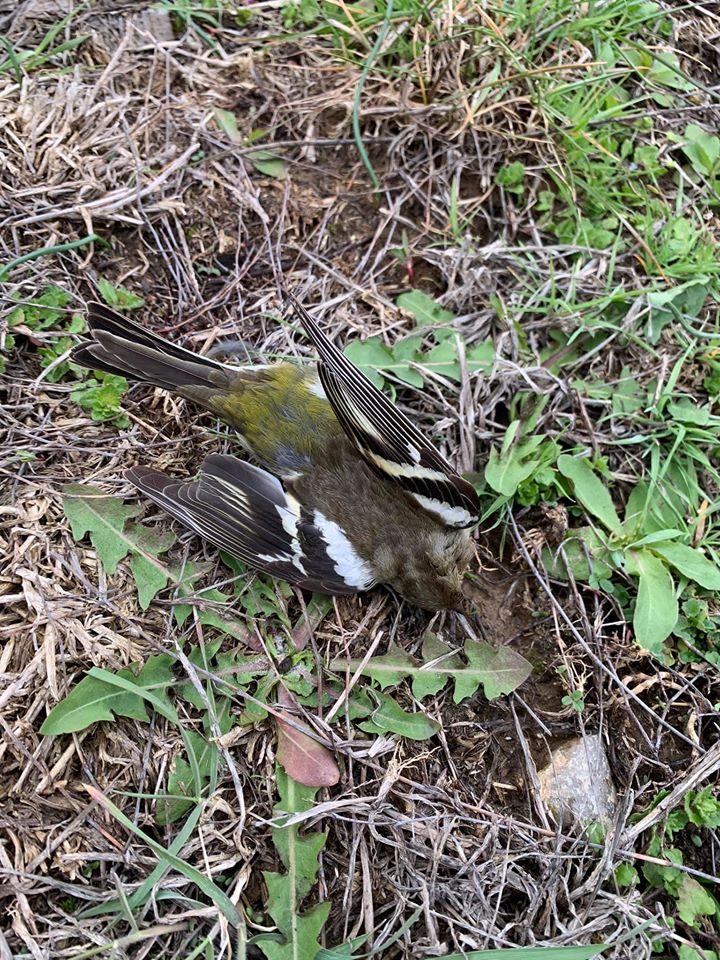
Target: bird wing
(385, 437)
(245, 511)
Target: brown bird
(349, 493)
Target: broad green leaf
(481, 357)
(514, 463)
(227, 122)
(500, 670)
(656, 608)
(370, 356)
(426, 311)
(405, 352)
(686, 410)
(686, 952)
(694, 901)
(389, 717)
(587, 556)
(590, 491)
(691, 563)
(105, 518)
(94, 699)
(443, 360)
(666, 70)
(268, 163)
(118, 297)
(702, 149)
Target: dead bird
(351, 495)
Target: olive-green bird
(355, 495)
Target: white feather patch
(289, 516)
(406, 469)
(355, 571)
(452, 516)
(316, 388)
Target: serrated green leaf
(425, 310)
(92, 511)
(439, 662)
(500, 671)
(298, 851)
(149, 577)
(443, 360)
(299, 932)
(389, 717)
(691, 563)
(105, 518)
(590, 491)
(390, 668)
(93, 699)
(656, 608)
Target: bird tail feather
(121, 346)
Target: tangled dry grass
(119, 141)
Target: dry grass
(117, 138)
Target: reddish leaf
(303, 758)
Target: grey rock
(576, 785)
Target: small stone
(577, 786)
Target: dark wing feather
(386, 438)
(245, 511)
